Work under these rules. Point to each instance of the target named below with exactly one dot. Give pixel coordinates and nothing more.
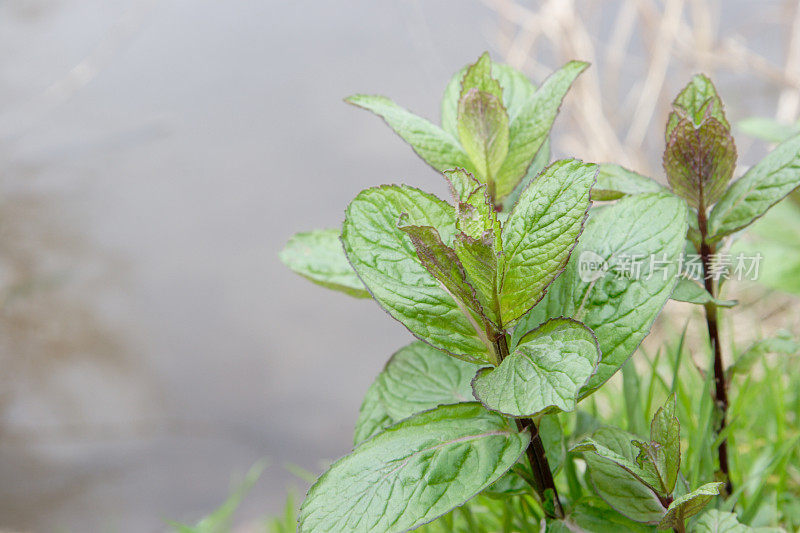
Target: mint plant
(640, 477)
(699, 162)
(512, 326)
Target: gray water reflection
(190, 142)
(156, 156)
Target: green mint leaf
(665, 431)
(772, 244)
(318, 256)
(443, 264)
(624, 450)
(783, 343)
(544, 373)
(593, 515)
(477, 243)
(715, 521)
(689, 505)
(475, 212)
(513, 482)
(614, 182)
(699, 161)
(517, 90)
(479, 258)
(553, 439)
(539, 163)
(387, 262)
(698, 100)
(768, 129)
(438, 148)
(540, 234)
(530, 127)
(479, 76)
(601, 285)
(419, 377)
(651, 459)
(463, 185)
(373, 417)
(413, 472)
(483, 132)
(764, 185)
(611, 459)
(692, 292)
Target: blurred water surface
(158, 155)
(154, 158)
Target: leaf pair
(638, 478)
(421, 449)
(494, 122)
(699, 162)
(700, 158)
(422, 260)
(700, 155)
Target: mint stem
(537, 456)
(720, 383)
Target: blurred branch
(646, 40)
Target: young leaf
(475, 212)
(483, 132)
(387, 263)
(611, 473)
(689, 505)
(530, 127)
(480, 259)
(442, 263)
(517, 89)
(540, 234)
(479, 76)
(318, 256)
(435, 146)
(692, 292)
(614, 182)
(419, 377)
(764, 185)
(544, 373)
(699, 161)
(696, 101)
(413, 472)
(372, 417)
(618, 300)
(620, 448)
(665, 432)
